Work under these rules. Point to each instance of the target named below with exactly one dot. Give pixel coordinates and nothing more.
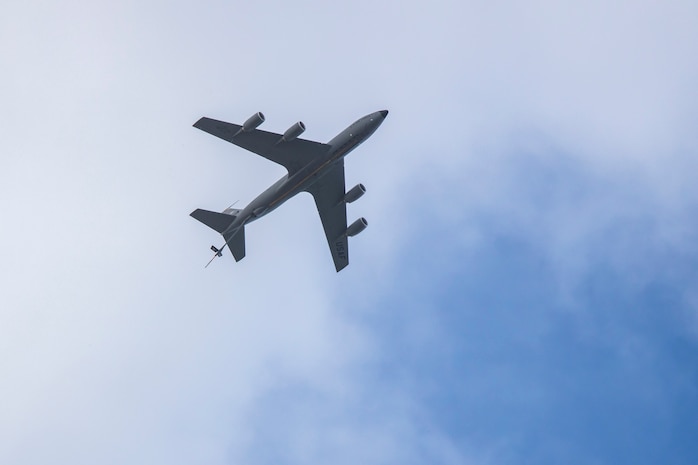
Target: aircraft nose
(383, 113)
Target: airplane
(312, 167)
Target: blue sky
(601, 370)
(526, 291)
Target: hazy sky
(526, 291)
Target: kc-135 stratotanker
(312, 167)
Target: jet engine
(253, 121)
(356, 227)
(293, 132)
(354, 194)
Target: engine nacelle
(356, 227)
(293, 132)
(253, 121)
(354, 194)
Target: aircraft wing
(293, 155)
(328, 192)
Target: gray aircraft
(312, 167)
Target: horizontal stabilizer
(214, 220)
(236, 243)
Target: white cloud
(120, 348)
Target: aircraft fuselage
(288, 186)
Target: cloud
(531, 187)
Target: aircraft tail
(220, 222)
(214, 220)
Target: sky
(526, 291)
